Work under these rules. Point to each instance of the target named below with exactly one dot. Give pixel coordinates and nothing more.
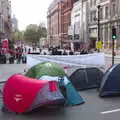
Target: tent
(84, 78)
(22, 94)
(110, 85)
(72, 97)
(51, 71)
(45, 68)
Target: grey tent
(110, 85)
(86, 78)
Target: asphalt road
(95, 108)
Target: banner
(96, 59)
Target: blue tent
(71, 95)
(110, 85)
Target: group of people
(18, 54)
(56, 51)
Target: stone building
(109, 16)
(79, 25)
(14, 24)
(5, 19)
(58, 19)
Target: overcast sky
(30, 11)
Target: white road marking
(111, 111)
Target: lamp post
(98, 20)
(113, 43)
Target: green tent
(45, 68)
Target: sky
(30, 11)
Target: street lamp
(98, 22)
(98, 19)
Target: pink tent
(22, 94)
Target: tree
(42, 30)
(33, 33)
(11, 45)
(17, 36)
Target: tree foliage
(11, 45)
(33, 33)
(17, 35)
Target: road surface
(95, 108)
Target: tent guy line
(110, 111)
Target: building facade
(109, 16)
(79, 25)
(5, 19)
(53, 23)
(14, 24)
(58, 19)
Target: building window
(91, 3)
(94, 15)
(106, 33)
(106, 12)
(119, 30)
(113, 9)
(101, 13)
(101, 33)
(94, 2)
(75, 1)
(91, 17)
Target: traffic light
(114, 33)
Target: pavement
(94, 108)
(6, 70)
(108, 53)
